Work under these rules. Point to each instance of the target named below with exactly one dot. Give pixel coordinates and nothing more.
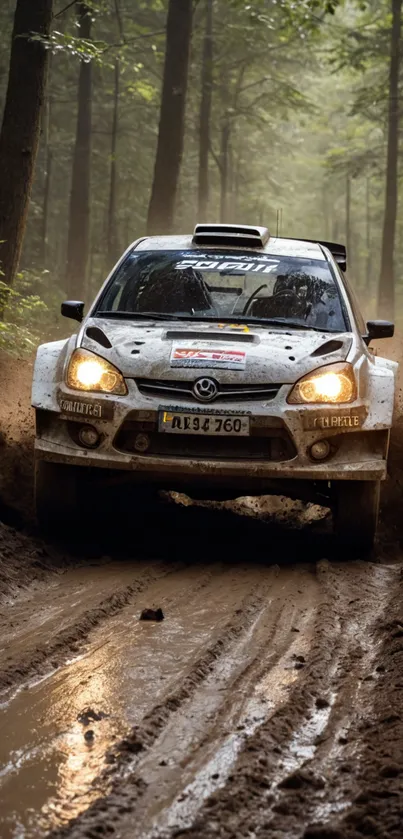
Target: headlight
(333, 384)
(88, 371)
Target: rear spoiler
(339, 252)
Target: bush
(29, 313)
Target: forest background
(159, 114)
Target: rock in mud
(321, 703)
(89, 715)
(152, 615)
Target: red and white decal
(196, 357)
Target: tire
(355, 516)
(57, 499)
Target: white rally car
(221, 364)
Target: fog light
(320, 450)
(88, 436)
(142, 442)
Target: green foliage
(27, 317)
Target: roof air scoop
(231, 234)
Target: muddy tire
(355, 516)
(57, 499)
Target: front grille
(265, 443)
(230, 392)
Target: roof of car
(277, 246)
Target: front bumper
(358, 453)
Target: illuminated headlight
(333, 384)
(90, 372)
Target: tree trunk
(79, 215)
(205, 114)
(45, 210)
(348, 224)
(19, 137)
(224, 169)
(112, 244)
(386, 293)
(172, 118)
(368, 278)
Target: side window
(352, 299)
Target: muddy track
(265, 704)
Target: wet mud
(268, 702)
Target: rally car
(221, 364)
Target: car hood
(178, 350)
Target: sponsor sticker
(216, 358)
(238, 264)
(80, 408)
(239, 326)
(334, 420)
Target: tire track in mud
(265, 723)
(218, 664)
(187, 589)
(43, 658)
(126, 754)
(280, 780)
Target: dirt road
(267, 703)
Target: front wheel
(56, 498)
(355, 516)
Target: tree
(205, 114)
(79, 215)
(386, 297)
(112, 243)
(172, 118)
(19, 137)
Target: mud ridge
(369, 772)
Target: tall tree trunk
(224, 169)
(112, 244)
(348, 223)
(19, 137)
(386, 293)
(205, 114)
(45, 209)
(47, 170)
(368, 277)
(172, 118)
(79, 215)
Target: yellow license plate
(204, 424)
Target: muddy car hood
(175, 350)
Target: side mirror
(380, 329)
(73, 309)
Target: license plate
(204, 424)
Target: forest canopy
(150, 116)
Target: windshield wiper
(242, 321)
(142, 316)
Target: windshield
(222, 285)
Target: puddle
(47, 768)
